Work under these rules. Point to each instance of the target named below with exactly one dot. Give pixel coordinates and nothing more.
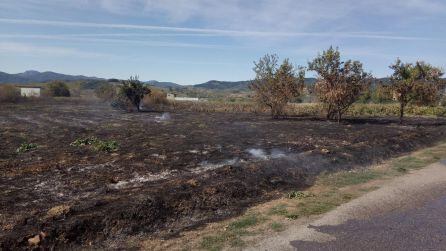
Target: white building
(172, 96)
(30, 91)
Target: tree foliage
(134, 90)
(339, 84)
(58, 89)
(275, 86)
(418, 83)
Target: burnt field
(171, 172)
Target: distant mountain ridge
(212, 85)
(39, 77)
(165, 85)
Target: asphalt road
(420, 228)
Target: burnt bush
(9, 93)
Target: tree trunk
(402, 105)
(339, 116)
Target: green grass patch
(96, 144)
(233, 233)
(26, 147)
(277, 226)
(280, 209)
(348, 178)
(409, 163)
(213, 242)
(245, 222)
(323, 203)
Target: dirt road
(406, 214)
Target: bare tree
(418, 83)
(275, 86)
(134, 90)
(339, 84)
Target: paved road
(406, 213)
(422, 228)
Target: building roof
(27, 86)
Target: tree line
(341, 83)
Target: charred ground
(171, 172)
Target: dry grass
(9, 93)
(309, 109)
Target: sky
(193, 41)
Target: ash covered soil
(171, 172)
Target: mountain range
(39, 77)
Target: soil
(171, 172)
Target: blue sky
(192, 41)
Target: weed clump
(26, 147)
(96, 144)
(298, 195)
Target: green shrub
(58, 89)
(97, 144)
(26, 147)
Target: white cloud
(278, 15)
(47, 51)
(222, 32)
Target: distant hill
(224, 85)
(235, 86)
(39, 77)
(165, 85)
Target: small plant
(96, 144)
(105, 146)
(26, 147)
(299, 195)
(293, 216)
(84, 142)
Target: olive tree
(134, 90)
(339, 84)
(418, 83)
(275, 86)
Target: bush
(134, 90)
(26, 147)
(58, 89)
(96, 144)
(106, 92)
(156, 98)
(9, 93)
